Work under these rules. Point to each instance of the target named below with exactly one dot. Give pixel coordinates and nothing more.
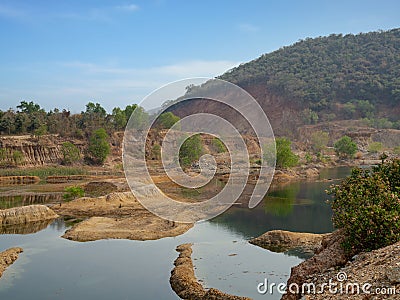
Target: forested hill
(335, 68)
(324, 79)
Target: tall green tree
(99, 148)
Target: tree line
(31, 118)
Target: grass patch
(44, 172)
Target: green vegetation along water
(54, 268)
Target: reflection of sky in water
(54, 268)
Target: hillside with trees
(318, 73)
(324, 79)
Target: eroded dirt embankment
(116, 216)
(26, 214)
(184, 282)
(8, 257)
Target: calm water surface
(53, 268)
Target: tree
(345, 147)
(71, 153)
(309, 116)
(167, 120)
(319, 140)
(29, 107)
(141, 117)
(191, 150)
(119, 118)
(42, 130)
(366, 205)
(285, 158)
(99, 147)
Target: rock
(311, 173)
(185, 284)
(281, 241)
(393, 274)
(379, 269)
(8, 257)
(330, 254)
(26, 214)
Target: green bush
(71, 153)
(191, 150)
(218, 145)
(166, 120)
(375, 147)
(99, 147)
(285, 158)
(345, 147)
(396, 150)
(18, 157)
(73, 192)
(367, 206)
(156, 152)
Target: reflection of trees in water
(297, 207)
(26, 228)
(58, 224)
(280, 202)
(29, 199)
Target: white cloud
(128, 7)
(246, 27)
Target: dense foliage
(71, 153)
(99, 148)
(345, 147)
(367, 206)
(166, 120)
(191, 150)
(285, 158)
(354, 73)
(72, 192)
(30, 118)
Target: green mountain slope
(317, 72)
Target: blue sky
(67, 53)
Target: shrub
(99, 147)
(218, 145)
(70, 153)
(367, 206)
(375, 147)
(73, 192)
(156, 152)
(191, 150)
(18, 157)
(285, 158)
(345, 147)
(308, 157)
(167, 120)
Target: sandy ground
(116, 216)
